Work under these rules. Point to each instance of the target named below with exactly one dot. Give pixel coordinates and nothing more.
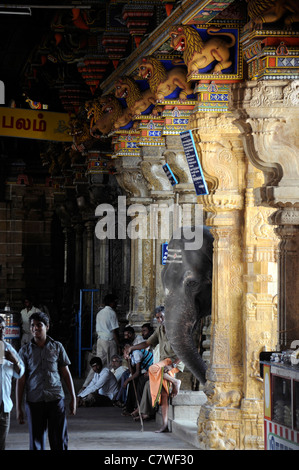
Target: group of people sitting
(139, 380)
(122, 382)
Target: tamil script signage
(278, 437)
(31, 124)
(169, 173)
(194, 163)
(164, 252)
(12, 332)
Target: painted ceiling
(79, 48)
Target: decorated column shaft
(267, 114)
(244, 287)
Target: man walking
(11, 365)
(107, 331)
(45, 363)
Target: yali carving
(164, 82)
(198, 54)
(271, 11)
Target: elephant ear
(188, 289)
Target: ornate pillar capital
(151, 166)
(222, 159)
(174, 156)
(267, 114)
(243, 262)
(287, 217)
(130, 178)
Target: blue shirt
(7, 372)
(43, 382)
(143, 356)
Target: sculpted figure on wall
(105, 114)
(93, 111)
(198, 54)
(79, 130)
(270, 11)
(212, 437)
(138, 102)
(164, 82)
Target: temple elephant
(187, 282)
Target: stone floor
(104, 429)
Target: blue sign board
(194, 163)
(170, 174)
(164, 252)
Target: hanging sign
(34, 124)
(164, 252)
(169, 173)
(194, 163)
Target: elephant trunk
(187, 281)
(180, 330)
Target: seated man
(130, 335)
(146, 330)
(117, 368)
(143, 389)
(163, 382)
(139, 363)
(102, 389)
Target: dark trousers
(95, 399)
(4, 426)
(131, 402)
(122, 394)
(47, 415)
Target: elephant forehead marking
(174, 256)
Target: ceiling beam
(181, 15)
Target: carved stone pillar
(89, 268)
(68, 267)
(170, 204)
(131, 180)
(243, 262)
(259, 306)
(267, 114)
(174, 155)
(159, 219)
(145, 183)
(287, 228)
(79, 229)
(224, 168)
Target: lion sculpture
(79, 130)
(106, 114)
(270, 11)
(94, 111)
(137, 101)
(162, 82)
(198, 54)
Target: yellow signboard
(26, 123)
